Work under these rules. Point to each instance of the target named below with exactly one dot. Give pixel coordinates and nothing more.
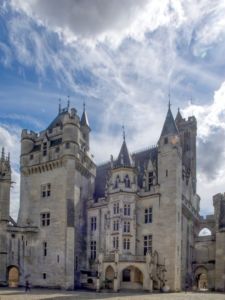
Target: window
(148, 215)
(126, 209)
(46, 190)
(150, 180)
(116, 208)
(126, 226)
(115, 242)
(57, 149)
(126, 244)
(166, 173)
(45, 219)
(44, 152)
(147, 244)
(116, 225)
(93, 223)
(127, 181)
(31, 156)
(67, 145)
(93, 249)
(44, 275)
(166, 140)
(45, 249)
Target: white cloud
(211, 146)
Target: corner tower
(57, 179)
(169, 179)
(5, 183)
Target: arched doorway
(109, 277)
(201, 278)
(13, 276)
(132, 278)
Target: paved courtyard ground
(36, 294)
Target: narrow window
(44, 275)
(166, 140)
(148, 215)
(45, 249)
(147, 244)
(67, 145)
(31, 156)
(115, 242)
(126, 244)
(93, 223)
(57, 258)
(93, 249)
(166, 173)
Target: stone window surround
(148, 215)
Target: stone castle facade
(130, 223)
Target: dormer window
(150, 180)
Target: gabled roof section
(84, 118)
(169, 127)
(124, 159)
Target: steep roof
(178, 117)
(169, 126)
(84, 118)
(124, 159)
(58, 120)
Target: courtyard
(36, 294)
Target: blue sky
(121, 58)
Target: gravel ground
(36, 294)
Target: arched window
(205, 232)
(127, 181)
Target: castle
(132, 223)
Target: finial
(8, 157)
(68, 102)
(124, 135)
(169, 97)
(3, 153)
(60, 109)
(84, 105)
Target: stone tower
(169, 179)
(5, 182)
(188, 132)
(57, 178)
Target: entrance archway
(132, 278)
(109, 277)
(13, 277)
(201, 278)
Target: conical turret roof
(169, 127)
(178, 117)
(124, 159)
(84, 118)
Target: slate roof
(84, 119)
(169, 126)
(140, 158)
(58, 120)
(102, 173)
(124, 159)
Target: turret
(5, 182)
(85, 128)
